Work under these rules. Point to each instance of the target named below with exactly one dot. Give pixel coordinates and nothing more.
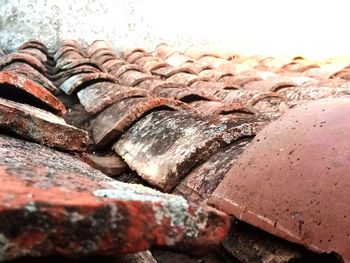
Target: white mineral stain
(165, 206)
(75, 217)
(31, 207)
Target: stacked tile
(29, 107)
(300, 80)
(296, 80)
(194, 165)
(180, 120)
(60, 204)
(158, 129)
(222, 75)
(179, 80)
(163, 147)
(74, 70)
(233, 80)
(124, 112)
(114, 108)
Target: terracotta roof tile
(41, 126)
(201, 182)
(13, 84)
(53, 203)
(134, 77)
(294, 194)
(269, 85)
(164, 146)
(179, 118)
(29, 72)
(25, 58)
(100, 95)
(60, 77)
(79, 81)
(34, 45)
(97, 45)
(74, 63)
(113, 121)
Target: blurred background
(314, 29)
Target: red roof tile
(142, 102)
(52, 203)
(300, 193)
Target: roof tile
(53, 203)
(300, 191)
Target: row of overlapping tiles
(218, 98)
(179, 119)
(62, 205)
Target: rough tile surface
(41, 126)
(53, 203)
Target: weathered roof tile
(300, 194)
(17, 84)
(111, 122)
(164, 146)
(53, 203)
(41, 126)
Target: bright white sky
(313, 28)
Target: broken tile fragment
(98, 96)
(164, 146)
(35, 94)
(53, 203)
(111, 122)
(300, 193)
(110, 164)
(40, 126)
